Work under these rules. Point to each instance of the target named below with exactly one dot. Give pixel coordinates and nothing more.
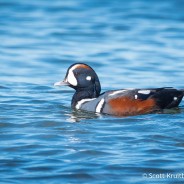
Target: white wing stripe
(100, 105)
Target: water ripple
(130, 44)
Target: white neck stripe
(79, 103)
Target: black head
(81, 77)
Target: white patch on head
(79, 103)
(175, 98)
(136, 96)
(70, 77)
(100, 105)
(145, 92)
(117, 92)
(88, 78)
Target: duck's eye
(88, 78)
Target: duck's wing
(140, 101)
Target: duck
(123, 102)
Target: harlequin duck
(124, 102)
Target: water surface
(132, 43)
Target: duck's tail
(182, 91)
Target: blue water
(135, 43)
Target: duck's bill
(61, 83)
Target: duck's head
(81, 77)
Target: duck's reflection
(77, 116)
